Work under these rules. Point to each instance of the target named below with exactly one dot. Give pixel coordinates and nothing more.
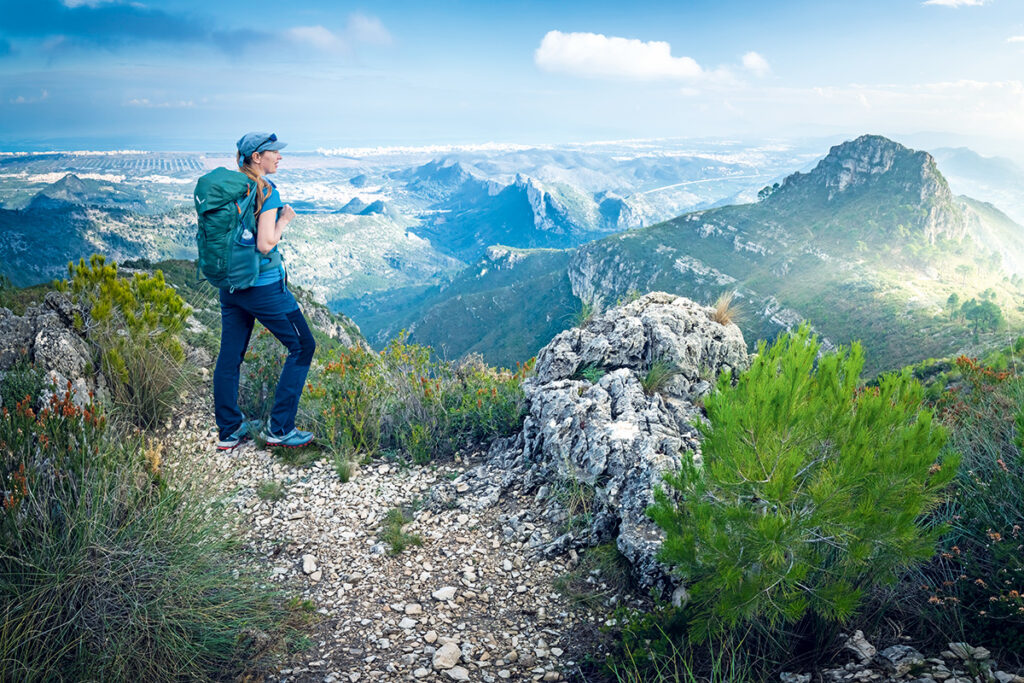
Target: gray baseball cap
(259, 142)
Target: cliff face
(889, 180)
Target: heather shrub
(974, 588)
(812, 491)
(135, 323)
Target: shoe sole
(287, 445)
(231, 448)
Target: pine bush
(812, 490)
(136, 323)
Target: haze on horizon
(185, 74)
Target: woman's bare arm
(269, 231)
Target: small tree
(984, 316)
(812, 490)
(953, 303)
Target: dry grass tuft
(725, 312)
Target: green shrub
(109, 572)
(23, 380)
(590, 372)
(812, 490)
(402, 399)
(136, 323)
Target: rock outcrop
(596, 441)
(51, 335)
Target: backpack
(226, 234)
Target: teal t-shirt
(271, 203)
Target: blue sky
(185, 74)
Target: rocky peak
(868, 160)
(879, 173)
(548, 213)
(70, 183)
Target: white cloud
(1015, 39)
(316, 37)
(145, 102)
(756, 64)
(21, 99)
(595, 55)
(360, 28)
(87, 3)
(956, 3)
(367, 29)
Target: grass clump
(653, 649)
(577, 497)
(585, 314)
(602, 572)
(658, 375)
(344, 465)
(392, 530)
(111, 571)
(22, 380)
(270, 489)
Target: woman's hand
(286, 215)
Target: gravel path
(474, 602)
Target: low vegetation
(403, 401)
(111, 569)
(392, 530)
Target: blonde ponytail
(263, 190)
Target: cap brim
(273, 146)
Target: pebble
(458, 673)
(445, 593)
(447, 656)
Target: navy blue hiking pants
(275, 307)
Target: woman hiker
(268, 301)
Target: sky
(195, 75)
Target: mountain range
(493, 252)
(868, 245)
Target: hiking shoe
(293, 439)
(238, 437)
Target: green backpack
(226, 234)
